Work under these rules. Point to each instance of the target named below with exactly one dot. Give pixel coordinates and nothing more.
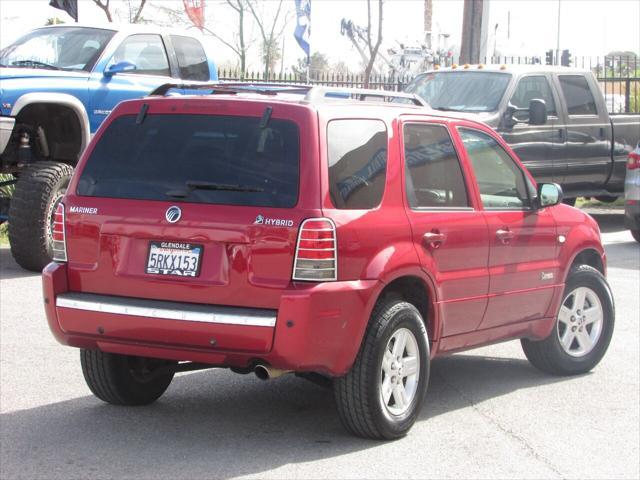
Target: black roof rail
(312, 94)
(231, 88)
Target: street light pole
(558, 38)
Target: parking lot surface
(488, 413)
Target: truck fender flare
(63, 99)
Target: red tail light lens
(634, 160)
(58, 235)
(316, 251)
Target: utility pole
(428, 22)
(474, 34)
(558, 38)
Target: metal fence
(618, 76)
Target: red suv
(319, 234)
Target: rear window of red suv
(226, 160)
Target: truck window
(502, 184)
(146, 52)
(462, 91)
(578, 95)
(533, 87)
(432, 169)
(357, 162)
(192, 60)
(213, 159)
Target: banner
(69, 6)
(303, 28)
(195, 12)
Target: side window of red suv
(503, 185)
(432, 170)
(357, 155)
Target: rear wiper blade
(34, 63)
(201, 185)
(446, 109)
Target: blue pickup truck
(57, 85)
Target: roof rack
(312, 94)
(321, 93)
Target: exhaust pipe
(264, 372)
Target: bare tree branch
(138, 14)
(269, 39)
(105, 8)
(373, 49)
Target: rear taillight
(58, 235)
(316, 251)
(634, 161)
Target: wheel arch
(59, 102)
(587, 255)
(416, 287)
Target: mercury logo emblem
(173, 214)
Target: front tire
(381, 396)
(583, 327)
(125, 380)
(636, 234)
(39, 190)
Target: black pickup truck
(554, 118)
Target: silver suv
(632, 194)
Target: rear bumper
(6, 129)
(317, 327)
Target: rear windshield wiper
(447, 109)
(34, 64)
(202, 185)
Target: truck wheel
(125, 380)
(569, 201)
(381, 396)
(636, 235)
(40, 188)
(583, 327)
(606, 198)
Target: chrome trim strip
(168, 310)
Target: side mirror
(120, 67)
(549, 194)
(537, 112)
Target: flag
(303, 27)
(195, 12)
(69, 6)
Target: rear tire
(125, 380)
(606, 198)
(40, 188)
(569, 201)
(582, 330)
(381, 397)
(636, 235)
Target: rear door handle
(504, 235)
(434, 238)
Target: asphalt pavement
(488, 413)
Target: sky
(587, 27)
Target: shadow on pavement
(609, 222)
(218, 424)
(9, 268)
(624, 255)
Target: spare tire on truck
(40, 188)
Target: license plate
(174, 258)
